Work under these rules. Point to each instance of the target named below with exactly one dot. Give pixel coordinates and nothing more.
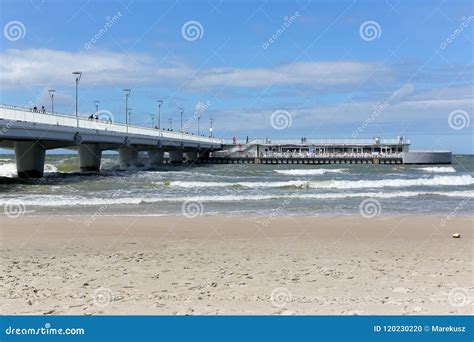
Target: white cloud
(301, 73)
(407, 106)
(43, 67)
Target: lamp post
(96, 103)
(199, 119)
(171, 124)
(181, 110)
(152, 120)
(129, 116)
(78, 78)
(127, 94)
(160, 102)
(51, 96)
(210, 129)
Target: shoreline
(245, 214)
(219, 264)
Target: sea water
(240, 188)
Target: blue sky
(410, 73)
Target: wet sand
(236, 265)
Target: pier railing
(326, 142)
(44, 117)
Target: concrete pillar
(29, 157)
(176, 157)
(128, 156)
(191, 156)
(155, 157)
(90, 156)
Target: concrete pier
(155, 157)
(175, 157)
(90, 156)
(30, 133)
(128, 156)
(29, 157)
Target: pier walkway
(31, 133)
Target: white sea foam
(439, 169)
(333, 184)
(193, 184)
(67, 201)
(9, 169)
(308, 172)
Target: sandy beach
(236, 265)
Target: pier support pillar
(29, 157)
(176, 157)
(90, 156)
(191, 156)
(155, 157)
(128, 156)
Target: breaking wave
(332, 184)
(64, 201)
(308, 172)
